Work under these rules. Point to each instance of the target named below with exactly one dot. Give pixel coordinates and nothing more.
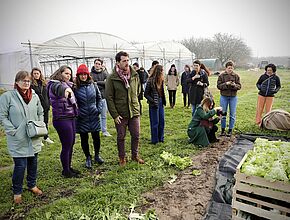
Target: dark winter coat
(62, 108)
(268, 85)
(184, 84)
(100, 79)
(89, 107)
(195, 91)
(41, 91)
(152, 95)
(197, 134)
(141, 78)
(228, 90)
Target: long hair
(41, 78)
(157, 76)
(202, 66)
(206, 103)
(78, 81)
(57, 74)
(170, 72)
(187, 66)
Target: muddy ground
(187, 198)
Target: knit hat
(83, 69)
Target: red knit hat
(83, 69)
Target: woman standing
(184, 85)
(89, 101)
(268, 85)
(154, 93)
(172, 82)
(228, 83)
(197, 132)
(39, 85)
(16, 108)
(64, 112)
(198, 80)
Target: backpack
(277, 119)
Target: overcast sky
(263, 24)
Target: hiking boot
(17, 199)
(89, 163)
(138, 160)
(122, 162)
(229, 134)
(223, 133)
(36, 191)
(99, 160)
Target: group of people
(80, 106)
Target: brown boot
(122, 162)
(36, 191)
(138, 160)
(17, 199)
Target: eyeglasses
(25, 81)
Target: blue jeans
(20, 164)
(104, 115)
(157, 123)
(230, 101)
(193, 108)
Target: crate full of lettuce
(262, 185)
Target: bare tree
(223, 46)
(229, 47)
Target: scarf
(124, 75)
(27, 96)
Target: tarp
(220, 204)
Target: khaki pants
(263, 102)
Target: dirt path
(188, 196)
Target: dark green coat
(122, 101)
(197, 134)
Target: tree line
(222, 46)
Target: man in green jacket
(121, 91)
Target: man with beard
(122, 90)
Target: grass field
(108, 191)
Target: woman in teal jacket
(16, 108)
(196, 131)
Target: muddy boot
(89, 162)
(137, 159)
(122, 162)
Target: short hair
(121, 53)
(271, 65)
(100, 60)
(136, 64)
(197, 62)
(229, 63)
(21, 75)
(155, 62)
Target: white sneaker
(48, 140)
(106, 134)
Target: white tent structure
(84, 47)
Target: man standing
(122, 90)
(99, 75)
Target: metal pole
(30, 54)
(84, 52)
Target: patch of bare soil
(187, 198)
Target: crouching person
(16, 108)
(202, 128)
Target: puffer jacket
(62, 108)
(152, 95)
(89, 107)
(268, 85)
(14, 114)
